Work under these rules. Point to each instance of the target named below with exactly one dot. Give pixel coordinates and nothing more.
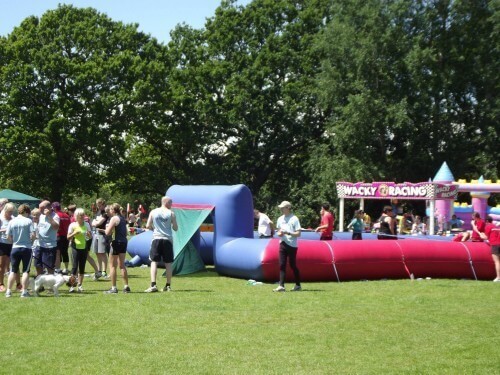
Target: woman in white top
(418, 227)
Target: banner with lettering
(391, 190)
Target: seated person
(405, 223)
(418, 228)
(477, 232)
(455, 224)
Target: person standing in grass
(357, 225)
(100, 241)
(118, 225)
(62, 254)
(20, 232)
(493, 234)
(288, 227)
(78, 234)
(162, 221)
(6, 209)
(48, 226)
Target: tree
(71, 84)
(408, 83)
(263, 63)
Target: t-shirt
(80, 238)
(493, 233)
(357, 225)
(480, 227)
(63, 224)
(4, 223)
(264, 226)
(162, 223)
(20, 228)
(456, 223)
(47, 236)
(289, 224)
(327, 219)
(104, 218)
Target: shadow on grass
(202, 273)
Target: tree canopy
(284, 96)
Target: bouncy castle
(236, 253)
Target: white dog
(53, 282)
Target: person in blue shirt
(357, 225)
(21, 233)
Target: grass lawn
(217, 325)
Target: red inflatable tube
(383, 259)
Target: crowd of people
(45, 235)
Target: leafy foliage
(284, 96)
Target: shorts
(18, 255)
(5, 249)
(118, 247)
(161, 249)
(495, 250)
(47, 258)
(326, 238)
(100, 244)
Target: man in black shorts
(162, 221)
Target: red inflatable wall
(383, 259)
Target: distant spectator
(265, 227)
(477, 232)
(418, 227)
(327, 223)
(455, 223)
(357, 225)
(387, 225)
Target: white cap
(285, 204)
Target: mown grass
(217, 325)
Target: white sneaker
(8, 293)
(80, 289)
(25, 294)
(497, 280)
(151, 289)
(71, 290)
(279, 289)
(297, 288)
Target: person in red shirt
(493, 234)
(62, 238)
(477, 229)
(327, 222)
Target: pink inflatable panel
(380, 259)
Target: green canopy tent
(20, 198)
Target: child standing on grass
(357, 225)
